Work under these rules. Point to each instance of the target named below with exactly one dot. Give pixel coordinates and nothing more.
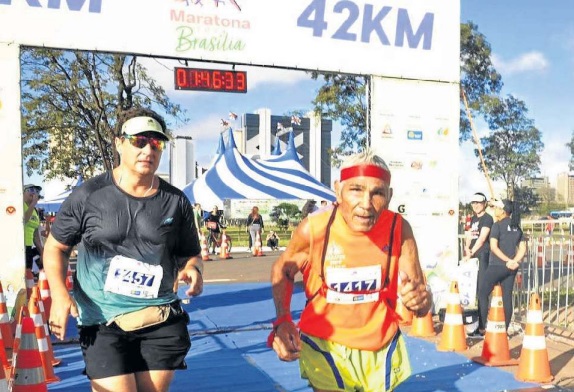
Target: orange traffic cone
(3, 381)
(36, 297)
(405, 315)
(257, 248)
(28, 375)
(224, 252)
(422, 327)
(5, 324)
(45, 294)
(204, 249)
(533, 364)
(453, 335)
(29, 276)
(495, 351)
(40, 331)
(23, 312)
(3, 356)
(69, 278)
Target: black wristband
(198, 270)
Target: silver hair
(367, 156)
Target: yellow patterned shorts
(333, 367)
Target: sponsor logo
(396, 164)
(414, 135)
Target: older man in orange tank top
(356, 258)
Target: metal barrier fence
(547, 270)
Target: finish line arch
(409, 47)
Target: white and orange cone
(28, 373)
(422, 327)
(495, 350)
(36, 297)
(5, 322)
(257, 248)
(45, 293)
(30, 283)
(453, 336)
(224, 251)
(3, 356)
(204, 248)
(40, 331)
(533, 364)
(3, 380)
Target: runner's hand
(414, 295)
(193, 277)
(287, 343)
(62, 307)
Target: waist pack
(146, 317)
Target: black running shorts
(109, 351)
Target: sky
(533, 49)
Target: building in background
(259, 131)
(182, 162)
(565, 187)
(541, 187)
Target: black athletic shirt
(104, 222)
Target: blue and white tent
(235, 176)
(53, 205)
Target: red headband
(365, 171)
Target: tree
(512, 150)
(70, 103)
(526, 199)
(283, 212)
(478, 78)
(343, 97)
(571, 147)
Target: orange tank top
(351, 295)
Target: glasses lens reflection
(140, 141)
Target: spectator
(32, 240)
(549, 228)
(507, 250)
(254, 225)
(477, 243)
(308, 208)
(198, 217)
(213, 224)
(273, 240)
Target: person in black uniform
(477, 244)
(507, 250)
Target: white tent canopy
(53, 204)
(235, 176)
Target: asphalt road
(242, 267)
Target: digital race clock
(225, 81)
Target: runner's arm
(286, 341)
(56, 259)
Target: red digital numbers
(210, 80)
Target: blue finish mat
(229, 327)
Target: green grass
(240, 237)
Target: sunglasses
(140, 141)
